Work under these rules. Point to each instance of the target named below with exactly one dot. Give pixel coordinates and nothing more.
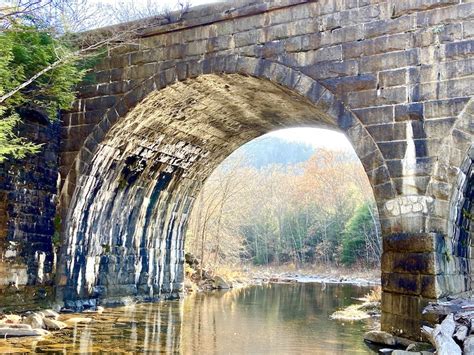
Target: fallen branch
(442, 337)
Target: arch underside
(127, 219)
(461, 229)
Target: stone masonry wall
(28, 191)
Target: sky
(162, 3)
(317, 137)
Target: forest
(274, 202)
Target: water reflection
(276, 318)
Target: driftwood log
(442, 336)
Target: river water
(268, 319)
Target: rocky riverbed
(37, 324)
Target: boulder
(220, 284)
(468, 347)
(53, 324)
(380, 337)
(19, 326)
(49, 313)
(9, 332)
(35, 320)
(461, 333)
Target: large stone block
(332, 69)
(402, 325)
(390, 60)
(444, 15)
(411, 263)
(384, 44)
(406, 284)
(411, 242)
(388, 96)
(384, 27)
(410, 6)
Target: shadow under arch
(127, 197)
(459, 248)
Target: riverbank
(313, 273)
(225, 277)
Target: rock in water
(53, 324)
(468, 347)
(20, 332)
(49, 313)
(35, 320)
(379, 337)
(20, 326)
(220, 283)
(461, 333)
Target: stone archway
(152, 161)
(409, 269)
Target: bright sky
(317, 137)
(162, 3)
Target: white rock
(49, 313)
(19, 332)
(468, 346)
(35, 320)
(19, 326)
(52, 324)
(461, 333)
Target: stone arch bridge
(157, 116)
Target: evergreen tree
(358, 236)
(25, 51)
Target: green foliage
(25, 51)
(10, 144)
(299, 214)
(357, 232)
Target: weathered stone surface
(49, 313)
(27, 191)
(52, 324)
(18, 332)
(404, 262)
(220, 283)
(380, 337)
(468, 346)
(35, 320)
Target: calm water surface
(269, 319)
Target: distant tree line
(320, 211)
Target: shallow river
(269, 319)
